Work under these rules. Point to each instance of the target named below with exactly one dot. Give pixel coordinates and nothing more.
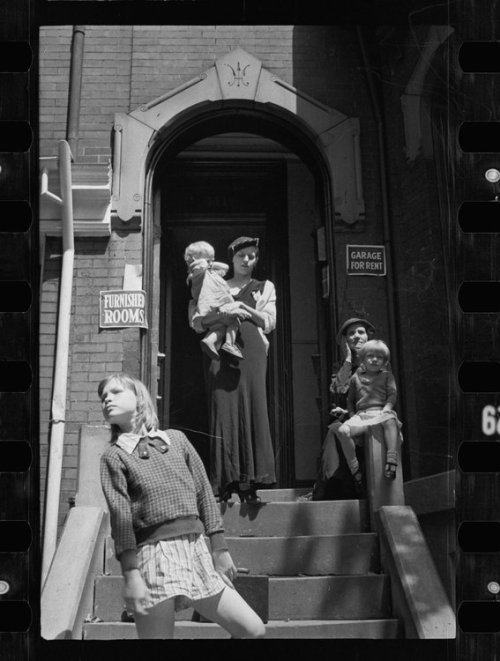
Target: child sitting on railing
(370, 401)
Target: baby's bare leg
(231, 331)
(230, 345)
(212, 341)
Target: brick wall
(55, 45)
(420, 236)
(99, 265)
(125, 66)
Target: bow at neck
(156, 438)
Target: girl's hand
(338, 411)
(135, 592)
(224, 564)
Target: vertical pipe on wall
(58, 409)
(387, 229)
(75, 87)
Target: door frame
(270, 124)
(273, 219)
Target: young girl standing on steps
(370, 400)
(161, 505)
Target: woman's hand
(250, 313)
(135, 592)
(346, 350)
(236, 310)
(224, 565)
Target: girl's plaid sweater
(164, 488)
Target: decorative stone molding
(237, 76)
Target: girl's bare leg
(232, 613)
(391, 442)
(348, 448)
(158, 623)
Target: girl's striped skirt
(180, 568)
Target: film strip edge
(478, 578)
(19, 591)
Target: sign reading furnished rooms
(366, 260)
(121, 308)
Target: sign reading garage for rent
(366, 260)
(120, 308)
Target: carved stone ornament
(235, 76)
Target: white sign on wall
(119, 308)
(366, 260)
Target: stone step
(367, 629)
(289, 519)
(314, 555)
(298, 598)
(329, 597)
(282, 495)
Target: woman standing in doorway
(241, 452)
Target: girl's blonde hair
(199, 249)
(146, 418)
(374, 346)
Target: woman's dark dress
(241, 448)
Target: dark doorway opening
(217, 201)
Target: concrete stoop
(322, 564)
(370, 629)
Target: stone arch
(237, 79)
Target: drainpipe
(58, 409)
(75, 86)
(387, 230)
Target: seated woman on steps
(161, 506)
(352, 335)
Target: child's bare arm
(135, 592)
(351, 398)
(392, 392)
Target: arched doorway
(274, 163)
(227, 185)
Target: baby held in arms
(210, 293)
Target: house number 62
(490, 422)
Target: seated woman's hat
(240, 243)
(354, 320)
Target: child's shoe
(232, 349)
(358, 483)
(208, 347)
(391, 465)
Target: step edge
(270, 623)
(344, 535)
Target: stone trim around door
(234, 78)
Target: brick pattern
(99, 265)
(55, 46)
(125, 66)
